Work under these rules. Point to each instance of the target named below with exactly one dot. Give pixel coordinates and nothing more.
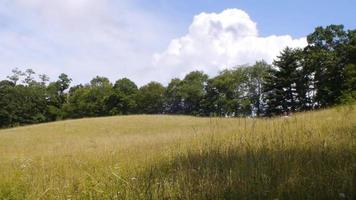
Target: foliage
(150, 98)
(282, 83)
(123, 99)
(320, 75)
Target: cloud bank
(216, 41)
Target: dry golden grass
(306, 156)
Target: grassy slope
(306, 156)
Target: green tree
(29, 79)
(22, 104)
(192, 92)
(16, 75)
(57, 96)
(349, 90)
(220, 94)
(89, 100)
(123, 99)
(327, 57)
(43, 79)
(150, 98)
(236, 92)
(257, 75)
(281, 85)
(6, 102)
(173, 97)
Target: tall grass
(305, 156)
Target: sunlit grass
(305, 156)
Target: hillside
(306, 156)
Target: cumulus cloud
(221, 40)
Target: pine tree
(281, 85)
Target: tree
(21, 104)
(236, 92)
(220, 95)
(192, 91)
(123, 98)
(257, 75)
(173, 97)
(43, 79)
(6, 87)
(89, 100)
(16, 75)
(349, 90)
(327, 59)
(281, 85)
(63, 83)
(29, 79)
(150, 98)
(57, 96)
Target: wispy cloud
(83, 38)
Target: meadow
(308, 155)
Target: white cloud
(83, 38)
(221, 40)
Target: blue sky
(155, 40)
(296, 18)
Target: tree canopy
(321, 74)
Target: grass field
(305, 156)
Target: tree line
(320, 75)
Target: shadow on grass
(315, 173)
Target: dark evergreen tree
(281, 86)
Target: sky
(155, 40)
